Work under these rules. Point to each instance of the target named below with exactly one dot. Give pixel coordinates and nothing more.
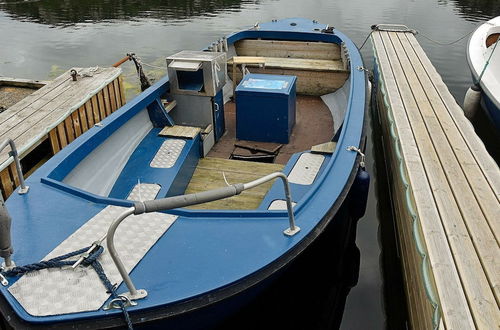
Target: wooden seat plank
(290, 63)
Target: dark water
(41, 39)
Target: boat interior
(232, 114)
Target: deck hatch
(306, 169)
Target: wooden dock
(445, 190)
(55, 115)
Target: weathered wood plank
(13, 174)
(37, 123)
(476, 201)
(68, 125)
(89, 114)
(83, 118)
(107, 101)
(293, 49)
(437, 155)
(101, 105)
(453, 302)
(37, 99)
(420, 308)
(112, 98)
(289, 63)
(75, 118)
(61, 133)
(117, 94)
(308, 82)
(210, 173)
(95, 109)
(122, 90)
(54, 141)
(481, 155)
(7, 186)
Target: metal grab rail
(13, 153)
(183, 201)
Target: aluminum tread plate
(64, 290)
(306, 169)
(279, 204)
(144, 191)
(168, 153)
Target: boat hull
(484, 62)
(322, 269)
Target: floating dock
(445, 191)
(44, 121)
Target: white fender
(472, 101)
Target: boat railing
(183, 201)
(13, 153)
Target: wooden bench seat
(314, 76)
(289, 63)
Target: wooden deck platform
(445, 190)
(210, 172)
(60, 111)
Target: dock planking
(445, 191)
(60, 111)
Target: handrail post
(13, 153)
(133, 293)
(293, 229)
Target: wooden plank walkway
(445, 189)
(61, 111)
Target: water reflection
(475, 10)
(70, 12)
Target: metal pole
(134, 294)
(291, 218)
(24, 189)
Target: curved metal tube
(24, 189)
(293, 229)
(114, 255)
(187, 200)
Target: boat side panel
(98, 172)
(173, 181)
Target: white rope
(224, 176)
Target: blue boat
(183, 205)
(484, 62)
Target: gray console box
(208, 67)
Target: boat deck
(313, 125)
(60, 111)
(213, 173)
(445, 189)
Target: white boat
(484, 62)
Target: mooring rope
(487, 62)
(90, 260)
(389, 28)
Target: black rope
(56, 262)
(92, 261)
(61, 261)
